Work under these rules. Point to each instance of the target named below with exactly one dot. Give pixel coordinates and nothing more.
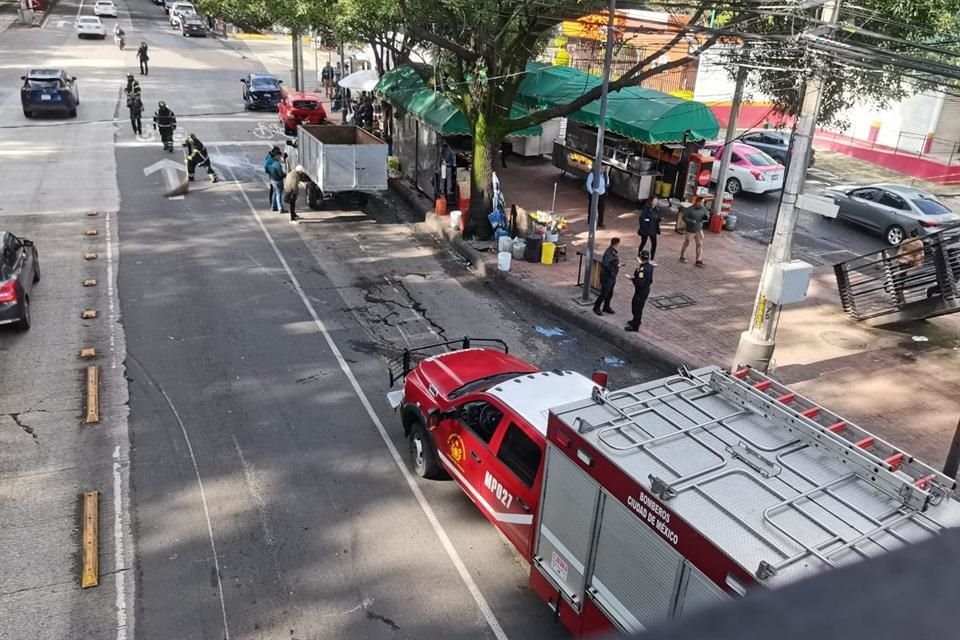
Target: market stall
(650, 135)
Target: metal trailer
(671, 496)
(341, 159)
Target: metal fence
(914, 145)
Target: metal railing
(914, 145)
(909, 285)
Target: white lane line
(118, 549)
(438, 529)
(206, 510)
(79, 9)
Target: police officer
(165, 120)
(132, 88)
(144, 58)
(609, 267)
(197, 156)
(642, 279)
(135, 105)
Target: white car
(105, 8)
(751, 170)
(90, 27)
(178, 10)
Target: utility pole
(758, 342)
(295, 72)
(598, 155)
(728, 140)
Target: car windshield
(308, 105)
(930, 207)
(760, 159)
(484, 383)
(264, 84)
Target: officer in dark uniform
(135, 105)
(165, 120)
(642, 279)
(609, 267)
(197, 156)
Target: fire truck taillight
(600, 377)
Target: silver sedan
(892, 210)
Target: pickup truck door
(512, 481)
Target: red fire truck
(658, 500)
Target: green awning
(403, 87)
(639, 113)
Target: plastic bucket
(455, 218)
(519, 247)
(546, 255)
(504, 243)
(503, 260)
(440, 206)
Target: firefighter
(197, 156)
(144, 58)
(132, 88)
(165, 120)
(135, 105)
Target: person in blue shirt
(601, 190)
(276, 174)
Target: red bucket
(716, 223)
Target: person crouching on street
(642, 278)
(291, 189)
(276, 174)
(609, 267)
(197, 156)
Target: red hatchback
(297, 107)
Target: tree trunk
(486, 142)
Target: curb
(486, 268)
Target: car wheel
(27, 113)
(73, 112)
(733, 186)
(24, 322)
(423, 457)
(894, 235)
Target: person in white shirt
(601, 190)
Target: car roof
(89, 19)
(904, 190)
(262, 76)
(301, 95)
(781, 135)
(532, 395)
(739, 147)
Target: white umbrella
(364, 80)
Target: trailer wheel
(314, 197)
(363, 199)
(423, 456)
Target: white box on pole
(789, 282)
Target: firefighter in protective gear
(165, 120)
(132, 88)
(135, 105)
(197, 156)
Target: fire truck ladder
(875, 460)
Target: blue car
(261, 91)
(49, 90)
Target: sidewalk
(905, 390)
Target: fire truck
(660, 499)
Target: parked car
(178, 11)
(892, 210)
(751, 170)
(19, 271)
(261, 91)
(46, 90)
(105, 8)
(193, 25)
(775, 144)
(298, 107)
(90, 27)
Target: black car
(19, 271)
(775, 144)
(46, 90)
(261, 91)
(193, 25)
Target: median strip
(93, 395)
(91, 534)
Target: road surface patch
(88, 352)
(90, 282)
(91, 534)
(89, 314)
(93, 395)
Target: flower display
(550, 222)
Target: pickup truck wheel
(423, 457)
(314, 197)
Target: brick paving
(907, 391)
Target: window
(930, 207)
(735, 157)
(888, 199)
(760, 159)
(753, 137)
(520, 454)
(482, 418)
(866, 194)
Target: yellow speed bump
(88, 352)
(89, 314)
(93, 395)
(90, 255)
(91, 534)
(91, 232)
(90, 282)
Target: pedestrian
(506, 148)
(143, 57)
(132, 88)
(337, 74)
(642, 280)
(609, 267)
(693, 218)
(449, 169)
(165, 120)
(276, 174)
(364, 115)
(197, 156)
(291, 189)
(135, 105)
(909, 256)
(601, 191)
(649, 229)
(326, 77)
(275, 151)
